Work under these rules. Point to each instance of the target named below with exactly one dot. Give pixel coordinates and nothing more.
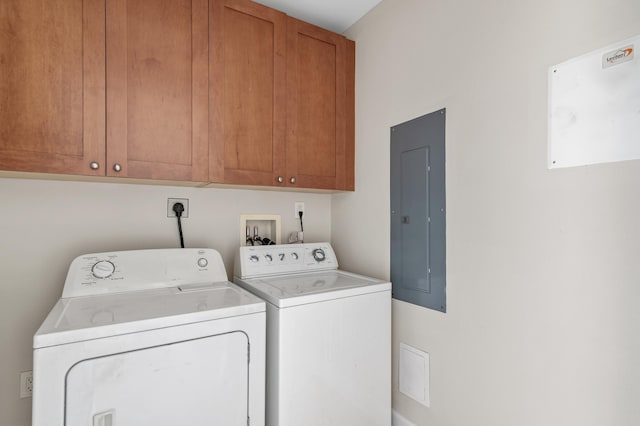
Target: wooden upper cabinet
(157, 89)
(320, 115)
(52, 86)
(248, 69)
(226, 91)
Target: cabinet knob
(94, 165)
(117, 167)
(280, 179)
(292, 180)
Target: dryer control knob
(294, 255)
(103, 269)
(202, 262)
(268, 257)
(254, 258)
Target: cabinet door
(157, 89)
(319, 107)
(52, 86)
(248, 43)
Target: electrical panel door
(418, 261)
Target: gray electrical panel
(418, 243)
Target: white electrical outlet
(298, 206)
(26, 384)
(172, 201)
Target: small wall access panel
(594, 107)
(418, 263)
(413, 374)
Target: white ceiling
(334, 15)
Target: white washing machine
(328, 336)
(150, 337)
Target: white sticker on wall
(594, 107)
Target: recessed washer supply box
(268, 225)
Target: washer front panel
(339, 352)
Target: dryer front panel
(200, 382)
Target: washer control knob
(103, 269)
(318, 255)
(254, 258)
(281, 257)
(294, 255)
(202, 262)
(268, 257)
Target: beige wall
(45, 224)
(543, 321)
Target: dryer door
(199, 382)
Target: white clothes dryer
(150, 337)
(328, 336)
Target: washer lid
(77, 319)
(298, 289)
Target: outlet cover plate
(172, 201)
(26, 384)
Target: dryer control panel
(120, 271)
(258, 261)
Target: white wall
(45, 224)
(543, 321)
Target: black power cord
(300, 213)
(178, 208)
